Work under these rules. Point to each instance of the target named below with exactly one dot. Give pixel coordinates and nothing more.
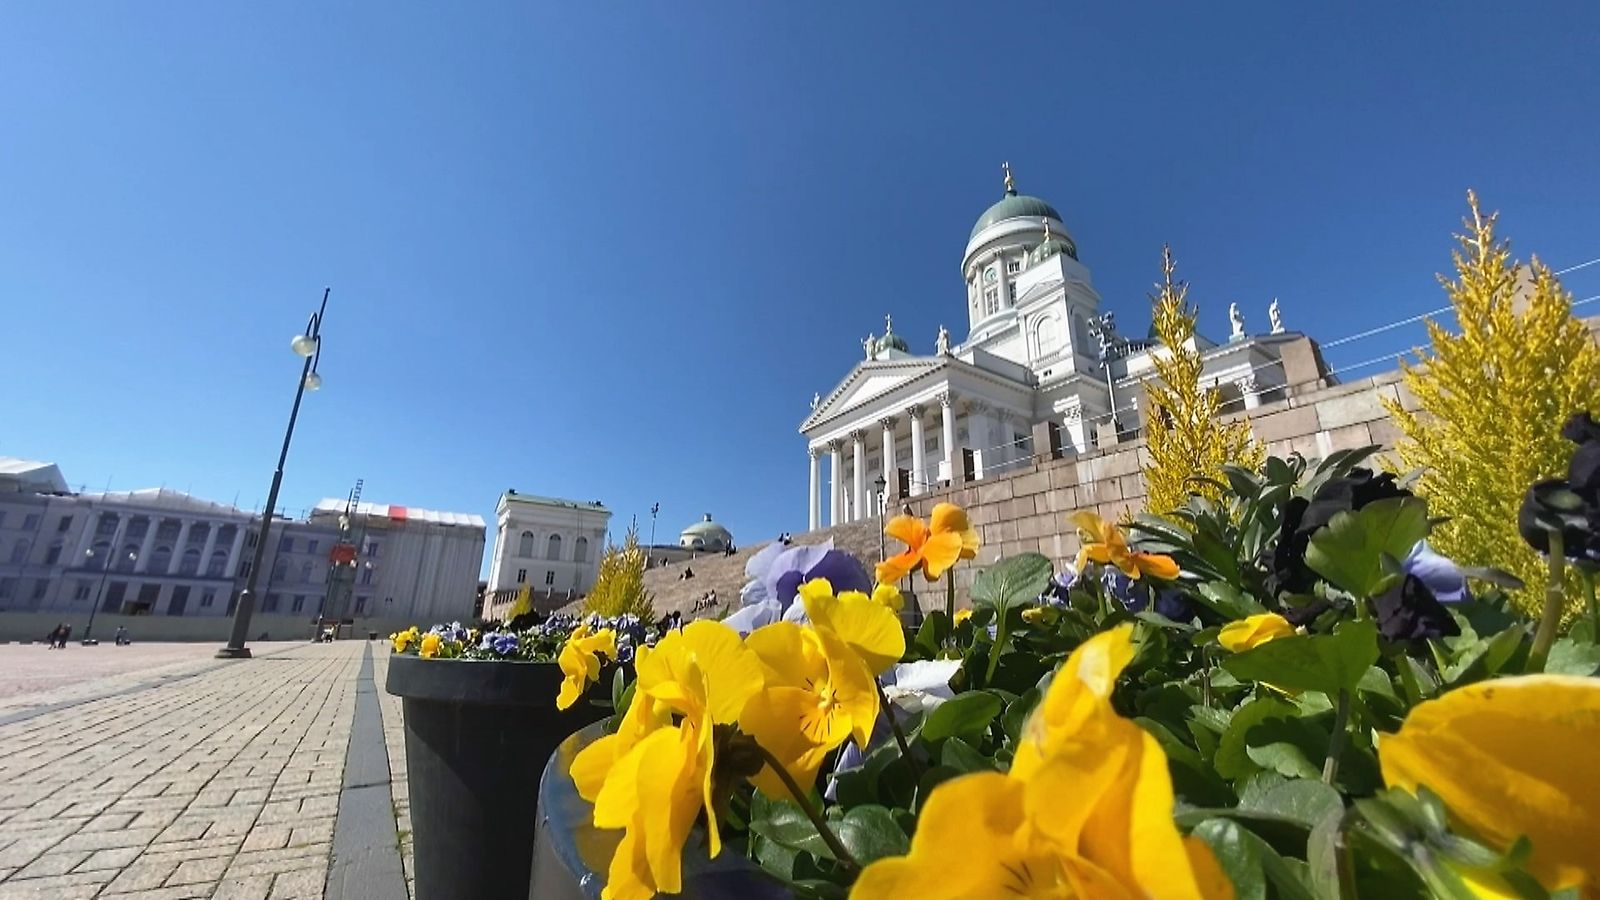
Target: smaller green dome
(706, 535)
(890, 340)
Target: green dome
(1015, 206)
(892, 341)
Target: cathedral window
(1011, 295)
(1013, 266)
(991, 301)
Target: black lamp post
(654, 508)
(98, 591)
(308, 346)
(883, 500)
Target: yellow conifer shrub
(1493, 396)
(619, 585)
(1185, 435)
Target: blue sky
(608, 251)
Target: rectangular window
(522, 576)
(30, 522)
(107, 526)
(179, 602)
(80, 590)
(549, 578)
(361, 606)
(270, 604)
(8, 588)
(366, 575)
(1013, 266)
(372, 549)
(2, 517)
(991, 301)
(53, 555)
(298, 604)
(244, 569)
(64, 524)
(250, 539)
(311, 546)
(19, 551)
(1011, 293)
(286, 544)
(207, 598)
(39, 588)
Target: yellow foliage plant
(1187, 439)
(1491, 398)
(619, 585)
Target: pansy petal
(754, 616)
(947, 517)
(942, 550)
(1156, 565)
(870, 630)
(1442, 576)
(843, 571)
(898, 566)
(909, 530)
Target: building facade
(1039, 351)
(166, 553)
(552, 544)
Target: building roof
(1015, 206)
(399, 514)
(30, 475)
(167, 498)
(555, 501)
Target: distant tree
(1493, 396)
(1188, 442)
(619, 586)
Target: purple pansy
(1442, 576)
(776, 573)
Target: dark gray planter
(571, 856)
(478, 734)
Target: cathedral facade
(1039, 349)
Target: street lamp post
(883, 500)
(654, 508)
(100, 590)
(309, 347)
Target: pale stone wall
(33, 626)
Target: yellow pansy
(1253, 631)
(1508, 758)
(1086, 812)
(404, 639)
(430, 646)
(1033, 615)
(580, 661)
(1078, 702)
(889, 596)
(870, 629)
(961, 616)
(653, 778)
(1104, 543)
(932, 547)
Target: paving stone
(109, 859)
(304, 884)
(255, 887)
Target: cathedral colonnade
(850, 485)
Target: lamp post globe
(303, 345)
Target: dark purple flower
(499, 643)
(1409, 612)
(1060, 587)
(1135, 596)
(1303, 518)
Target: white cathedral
(1039, 351)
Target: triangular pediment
(867, 382)
(1039, 290)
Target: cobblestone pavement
(225, 784)
(36, 675)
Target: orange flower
(934, 547)
(1103, 543)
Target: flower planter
(571, 856)
(478, 734)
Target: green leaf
(959, 755)
(1229, 600)
(1305, 801)
(966, 716)
(1240, 857)
(1349, 552)
(870, 832)
(1232, 759)
(1568, 657)
(1322, 854)
(1311, 662)
(785, 824)
(1289, 746)
(1012, 580)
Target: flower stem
(899, 736)
(1554, 597)
(994, 649)
(950, 596)
(828, 837)
(1587, 578)
(1341, 721)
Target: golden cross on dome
(1011, 186)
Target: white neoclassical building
(552, 544)
(1041, 360)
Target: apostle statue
(870, 345)
(1275, 317)
(941, 345)
(1237, 318)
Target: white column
(980, 436)
(1252, 396)
(1077, 433)
(232, 571)
(919, 467)
(947, 413)
(814, 494)
(143, 563)
(835, 482)
(891, 467)
(859, 457)
(178, 547)
(209, 548)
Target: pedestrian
(66, 635)
(54, 637)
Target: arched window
(525, 545)
(580, 549)
(160, 560)
(190, 563)
(218, 566)
(280, 570)
(102, 556)
(553, 549)
(128, 556)
(307, 572)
